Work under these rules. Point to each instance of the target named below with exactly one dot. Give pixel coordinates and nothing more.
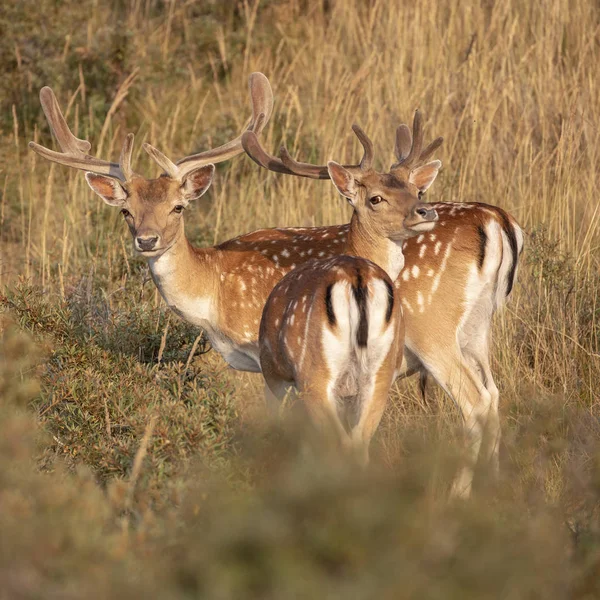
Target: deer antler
(408, 148)
(408, 152)
(261, 97)
(75, 151)
(287, 165)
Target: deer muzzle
(146, 243)
(422, 218)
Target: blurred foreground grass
(259, 516)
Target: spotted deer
(223, 289)
(207, 287)
(333, 327)
(453, 280)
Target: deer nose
(426, 213)
(146, 243)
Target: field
(133, 462)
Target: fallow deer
(453, 281)
(223, 289)
(206, 287)
(333, 327)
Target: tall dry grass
(512, 87)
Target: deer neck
(185, 278)
(364, 242)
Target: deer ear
(108, 188)
(343, 180)
(424, 176)
(196, 182)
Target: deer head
(386, 204)
(152, 207)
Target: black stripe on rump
(512, 242)
(329, 306)
(360, 295)
(390, 308)
(482, 244)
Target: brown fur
(150, 203)
(259, 255)
(292, 352)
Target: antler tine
(74, 151)
(403, 142)
(417, 141)
(286, 164)
(161, 160)
(367, 159)
(430, 149)
(408, 149)
(125, 158)
(260, 156)
(261, 96)
(66, 140)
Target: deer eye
(125, 212)
(178, 209)
(375, 200)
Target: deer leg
(477, 352)
(277, 385)
(453, 372)
(423, 386)
(474, 341)
(493, 422)
(411, 365)
(275, 393)
(321, 404)
(372, 399)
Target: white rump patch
(336, 347)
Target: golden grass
(512, 89)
